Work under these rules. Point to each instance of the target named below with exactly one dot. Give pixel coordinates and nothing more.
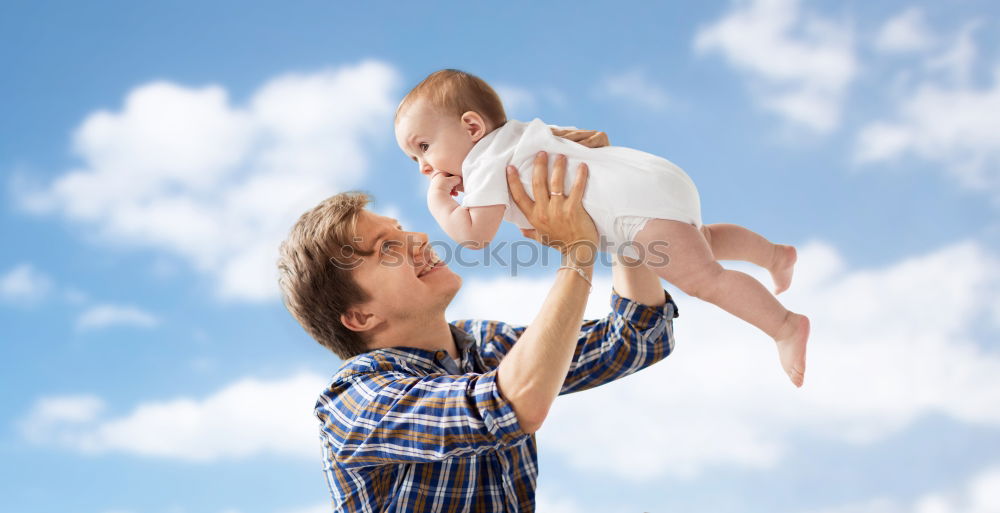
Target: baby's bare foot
(782, 267)
(792, 347)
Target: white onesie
(626, 187)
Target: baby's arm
(471, 227)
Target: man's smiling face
(403, 276)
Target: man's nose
(420, 248)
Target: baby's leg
(691, 266)
(734, 242)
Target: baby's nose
(426, 169)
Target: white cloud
(181, 169)
(105, 315)
(906, 32)
(545, 501)
(958, 59)
(872, 506)
(800, 64)
(517, 300)
(942, 120)
(247, 418)
(980, 495)
(42, 424)
(887, 346)
(317, 508)
(24, 285)
(634, 87)
(177, 509)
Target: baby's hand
(588, 138)
(443, 183)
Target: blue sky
(153, 155)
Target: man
(426, 415)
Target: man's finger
(582, 173)
(539, 180)
(558, 176)
(517, 192)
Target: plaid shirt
(411, 430)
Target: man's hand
(588, 138)
(559, 220)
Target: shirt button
(440, 355)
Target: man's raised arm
(531, 375)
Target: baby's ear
(474, 124)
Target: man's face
(404, 277)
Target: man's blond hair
(315, 276)
(457, 92)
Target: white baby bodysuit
(626, 187)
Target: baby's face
(437, 142)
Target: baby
(454, 126)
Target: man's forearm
(637, 282)
(532, 374)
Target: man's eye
(424, 146)
(387, 246)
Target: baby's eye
(424, 146)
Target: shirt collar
(427, 359)
(462, 339)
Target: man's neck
(432, 336)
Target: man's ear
(474, 124)
(356, 319)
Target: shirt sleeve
(632, 337)
(387, 417)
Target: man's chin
(453, 291)
(445, 284)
